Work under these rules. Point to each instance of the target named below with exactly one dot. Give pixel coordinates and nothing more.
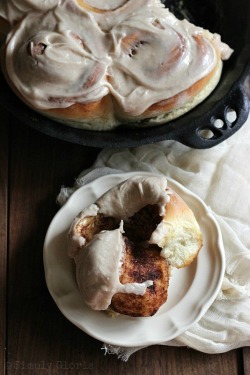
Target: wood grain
(40, 340)
(4, 153)
(246, 361)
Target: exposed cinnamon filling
(35, 49)
(91, 225)
(140, 226)
(140, 265)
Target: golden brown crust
(88, 111)
(86, 6)
(139, 265)
(89, 226)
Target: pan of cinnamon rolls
(126, 72)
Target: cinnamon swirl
(124, 248)
(97, 65)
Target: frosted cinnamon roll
(55, 66)
(126, 242)
(162, 67)
(98, 65)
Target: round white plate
(192, 289)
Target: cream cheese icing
(113, 12)
(98, 267)
(172, 59)
(14, 10)
(137, 192)
(55, 67)
(74, 51)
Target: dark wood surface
(35, 337)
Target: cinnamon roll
(97, 65)
(125, 244)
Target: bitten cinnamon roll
(97, 65)
(124, 248)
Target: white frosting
(14, 10)
(135, 193)
(62, 73)
(225, 50)
(98, 270)
(167, 57)
(77, 240)
(62, 53)
(113, 12)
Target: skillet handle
(221, 122)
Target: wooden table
(35, 337)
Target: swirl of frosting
(14, 10)
(51, 65)
(112, 12)
(156, 57)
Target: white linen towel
(221, 177)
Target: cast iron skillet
(229, 18)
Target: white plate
(192, 289)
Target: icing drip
(97, 270)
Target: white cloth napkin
(221, 177)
